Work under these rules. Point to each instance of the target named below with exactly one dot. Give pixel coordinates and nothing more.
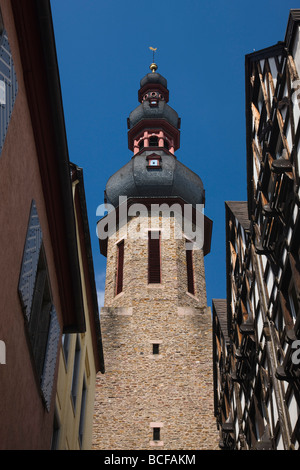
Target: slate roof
(240, 211)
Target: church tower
(157, 390)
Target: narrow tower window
(120, 267)
(155, 348)
(156, 434)
(190, 271)
(154, 275)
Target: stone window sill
(156, 443)
(192, 296)
(119, 295)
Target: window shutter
(190, 271)
(30, 261)
(50, 358)
(120, 268)
(1, 23)
(9, 86)
(154, 274)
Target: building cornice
(148, 202)
(33, 21)
(293, 21)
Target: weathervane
(153, 66)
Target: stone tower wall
(172, 390)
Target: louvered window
(120, 267)
(8, 83)
(190, 270)
(40, 314)
(153, 141)
(154, 268)
(38, 325)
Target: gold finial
(153, 66)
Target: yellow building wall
(69, 416)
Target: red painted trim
(150, 124)
(155, 87)
(208, 223)
(120, 267)
(190, 271)
(154, 265)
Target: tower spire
(155, 316)
(153, 66)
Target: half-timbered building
(256, 334)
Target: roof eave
(34, 27)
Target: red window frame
(154, 258)
(120, 267)
(190, 270)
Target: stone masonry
(172, 390)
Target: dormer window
(153, 99)
(154, 161)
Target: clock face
(154, 161)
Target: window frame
(120, 267)
(190, 270)
(154, 257)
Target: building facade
(81, 354)
(156, 326)
(42, 283)
(256, 330)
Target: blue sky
(103, 52)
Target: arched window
(120, 267)
(153, 141)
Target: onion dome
(154, 109)
(170, 178)
(153, 136)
